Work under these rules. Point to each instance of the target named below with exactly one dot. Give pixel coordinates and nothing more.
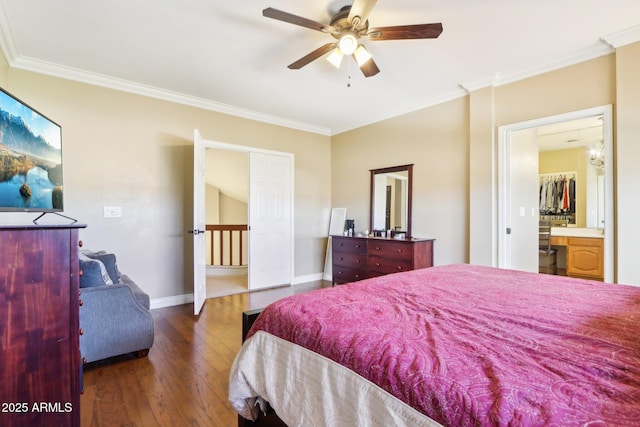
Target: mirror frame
(374, 172)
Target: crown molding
(481, 83)
(69, 73)
(622, 38)
(500, 79)
(596, 51)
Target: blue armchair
(114, 316)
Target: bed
(452, 345)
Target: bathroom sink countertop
(577, 232)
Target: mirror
(391, 194)
(573, 152)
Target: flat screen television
(30, 158)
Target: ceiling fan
(347, 27)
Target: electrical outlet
(113, 211)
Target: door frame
(246, 149)
(504, 141)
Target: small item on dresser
(349, 226)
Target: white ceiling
(225, 56)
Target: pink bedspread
(470, 345)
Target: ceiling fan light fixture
(362, 55)
(348, 44)
(335, 57)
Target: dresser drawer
(382, 264)
(585, 241)
(358, 258)
(344, 275)
(351, 260)
(395, 250)
(350, 245)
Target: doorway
(226, 213)
(269, 210)
(514, 250)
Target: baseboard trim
(308, 278)
(188, 298)
(171, 301)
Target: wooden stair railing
(226, 230)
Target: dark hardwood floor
(184, 379)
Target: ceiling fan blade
(322, 50)
(361, 9)
(369, 68)
(296, 20)
(404, 32)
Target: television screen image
(30, 158)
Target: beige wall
(136, 152)
(212, 204)
(232, 211)
(585, 85)
(482, 178)
(435, 140)
(211, 215)
(628, 162)
(454, 147)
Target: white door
(199, 272)
(522, 215)
(270, 220)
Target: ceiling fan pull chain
(348, 73)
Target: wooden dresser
(357, 258)
(39, 326)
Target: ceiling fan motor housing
(340, 22)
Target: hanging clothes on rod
(558, 194)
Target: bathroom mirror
(391, 194)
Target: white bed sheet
(307, 389)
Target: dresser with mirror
(390, 246)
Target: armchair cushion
(94, 273)
(109, 261)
